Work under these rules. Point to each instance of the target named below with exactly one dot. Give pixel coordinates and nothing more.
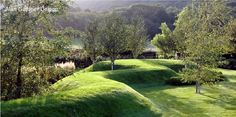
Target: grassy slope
(218, 100)
(137, 71)
(214, 101)
(88, 93)
(85, 95)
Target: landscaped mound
(92, 93)
(84, 95)
(135, 71)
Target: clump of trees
(113, 36)
(25, 48)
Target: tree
(205, 40)
(164, 41)
(25, 46)
(114, 37)
(91, 40)
(137, 36)
(183, 26)
(232, 33)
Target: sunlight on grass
(92, 89)
(182, 101)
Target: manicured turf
(134, 71)
(214, 101)
(92, 92)
(84, 95)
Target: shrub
(53, 74)
(34, 81)
(34, 84)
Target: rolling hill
(136, 89)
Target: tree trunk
(94, 61)
(112, 63)
(198, 87)
(94, 56)
(18, 77)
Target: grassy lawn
(217, 100)
(181, 101)
(83, 95)
(95, 92)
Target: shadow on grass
(172, 105)
(229, 85)
(222, 97)
(104, 66)
(114, 104)
(140, 76)
(168, 63)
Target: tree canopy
(114, 36)
(201, 35)
(165, 41)
(25, 28)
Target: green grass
(134, 71)
(214, 101)
(84, 95)
(217, 100)
(93, 92)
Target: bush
(33, 84)
(34, 81)
(53, 74)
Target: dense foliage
(165, 41)
(91, 40)
(25, 47)
(114, 36)
(202, 38)
(136, 36)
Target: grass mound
(84, 95)
(134, 71)
(93, 92)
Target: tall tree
(164, 41)
(91, 40)
(205, 39)
(137, 36)
(183, 26)
(24, 44)
(114, 37)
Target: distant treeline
(153, 16)
(106, 5)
